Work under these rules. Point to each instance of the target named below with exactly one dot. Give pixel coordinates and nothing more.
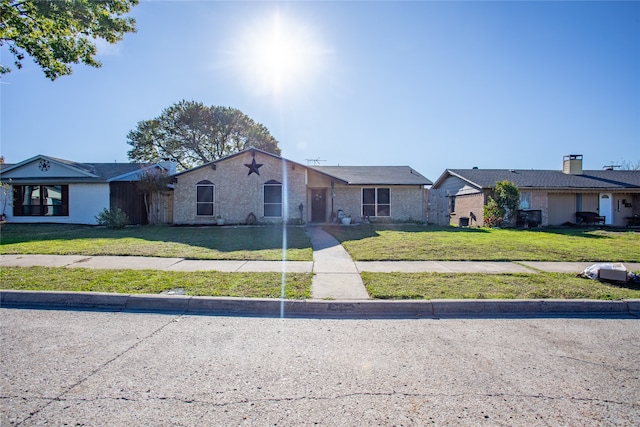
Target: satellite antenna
(611, 167)
(314, 162)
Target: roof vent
(572, 164)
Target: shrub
(493, 213)
(114, 218)
(502, 205)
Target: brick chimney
(572, 164)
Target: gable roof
(80, 172)
(354, 175)
(374, 175)
(231, 156)
(547, 179)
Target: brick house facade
(277, 190)
(555, 195)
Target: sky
(433, 85)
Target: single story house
(556, 196)
(254, 185)
(52, 190)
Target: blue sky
(433, 85)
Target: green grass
(427, 243)
(203, 283)
(226, 243)
(492, 286)
(364, 243)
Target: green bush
(114, 218)
(493, 213)
(502, 204)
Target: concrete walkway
(336, 275)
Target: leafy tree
(502, 205)
(193, 134)
(57, 33)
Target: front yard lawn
(226, 243)
(429, 243)
(492, 286)
(202, 283)
(364, 243)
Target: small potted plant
(346, 220)
(219, 220)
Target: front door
(318, 205)
(606, 207)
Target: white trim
(375, 204)
(213, 200)
(281, 204)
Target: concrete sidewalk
(328, 259)
(154, 263)
(486, 267)
(337, 288)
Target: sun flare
(278, 55)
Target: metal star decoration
(253, 167)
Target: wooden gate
(127, 196)
(437, 209)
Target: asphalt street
(113, 368)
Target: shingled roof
(374, 175)
(92, 172)
(548, 179)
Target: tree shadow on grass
(364, 231)
(582, 232)
(222, 239)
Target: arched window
(205, 198)
(272, 199)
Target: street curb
(369, 309)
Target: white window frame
(376, 203)
(271, 204)
(213, 198)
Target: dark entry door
(319, 205)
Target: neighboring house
(47, 189)
(555, 195)
(254, 183)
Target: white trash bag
(593, 272)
